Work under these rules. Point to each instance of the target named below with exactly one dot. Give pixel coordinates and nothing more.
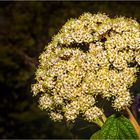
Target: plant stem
(104, 118)
(98, 122)
(134, 122)
(101, 120)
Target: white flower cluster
(92, 55)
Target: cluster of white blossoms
(92, 55)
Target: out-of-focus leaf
(24, 116)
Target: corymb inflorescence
(92, 55)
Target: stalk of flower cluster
(134, 122)
(100, 121)
(104, 118)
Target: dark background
(25, 29)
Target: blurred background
(25, 29)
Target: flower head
(92, 55)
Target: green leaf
(116, 128)
(107, 130)
(96, 135)
(126, 126)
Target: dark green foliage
(96, 135)
(25, 28)
(116, 128)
